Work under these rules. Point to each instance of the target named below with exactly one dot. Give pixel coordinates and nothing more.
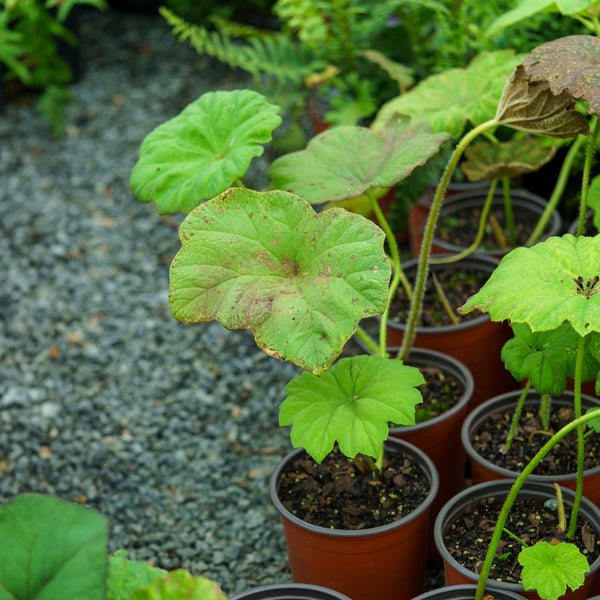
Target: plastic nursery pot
(439, 437)
(476, 342)
(454, 510)
(419, 210)
(290, 591)
(464, 592)
(381, 562)
(524, 204)
(484, 470)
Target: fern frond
(273, 56)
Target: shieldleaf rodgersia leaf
(352, 404)
(531, 106)
(549, 568)
(345, 162)
(266, 261)
(51, 549)
(545, 285)
(453, 98)
(570, 64)
(200, 152)
(488, 161)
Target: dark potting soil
(458, 284)
(489, 440)
(441, 391)
(468, 538)
(460, 228)
(343, 493)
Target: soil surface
(530, 520)
(458, 284)
(344, 493)
(489, 440)
(460, 227)
(441, 391)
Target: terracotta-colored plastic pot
(380, 562)
(457, 574)
(484, 470)
(439, 437)
(290, 591)
(464, 592)
(476, 343)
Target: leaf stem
(515, 419)
(423, 265)
(508, 212)
(514, 490)
(585, 183)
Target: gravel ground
(168, 429)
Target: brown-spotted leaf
(571, 64)
(531, 106)
(487, 161)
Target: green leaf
(125, 576)
(593, 200)
(180, 585)
(545, 285)
(528, 8)
(594, 423)
(202, 151)
(568, 64)
(546, 357)
(352, 404)
(533, 107)
(488, 161)
(549, 569)
(345, 162)
(51, 549)
(451, 99)
(301, 281)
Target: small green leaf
(352, 403)
(345, 162)
(180, 585)
(51, 549)
(267, 262)
(488, 161)
(453, 98)
(125, 576)
(545, 285)
(570, 64)
(594, 423)
(202, 151)
(549, 569)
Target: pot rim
(490, 488)
(487, 262)
(464, 591)
(520, 198)
(289, 591)
(480, 413)
(425, 462)
(458, 369)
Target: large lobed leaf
(453, 98)
(351, 404)
(299, 280)
(571, 64)
(545, 285)
(199, 153)
(344, 162)
(51, 549)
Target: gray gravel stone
(168, 429)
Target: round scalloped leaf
(180, 585)
(552, 282)
(352, 404)
(571, 63)
(531, 106)
(488, 161)
(266, 261)
(199, 153)
(51, 549)
(125, 576)
(451, 99)
(344, 162)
